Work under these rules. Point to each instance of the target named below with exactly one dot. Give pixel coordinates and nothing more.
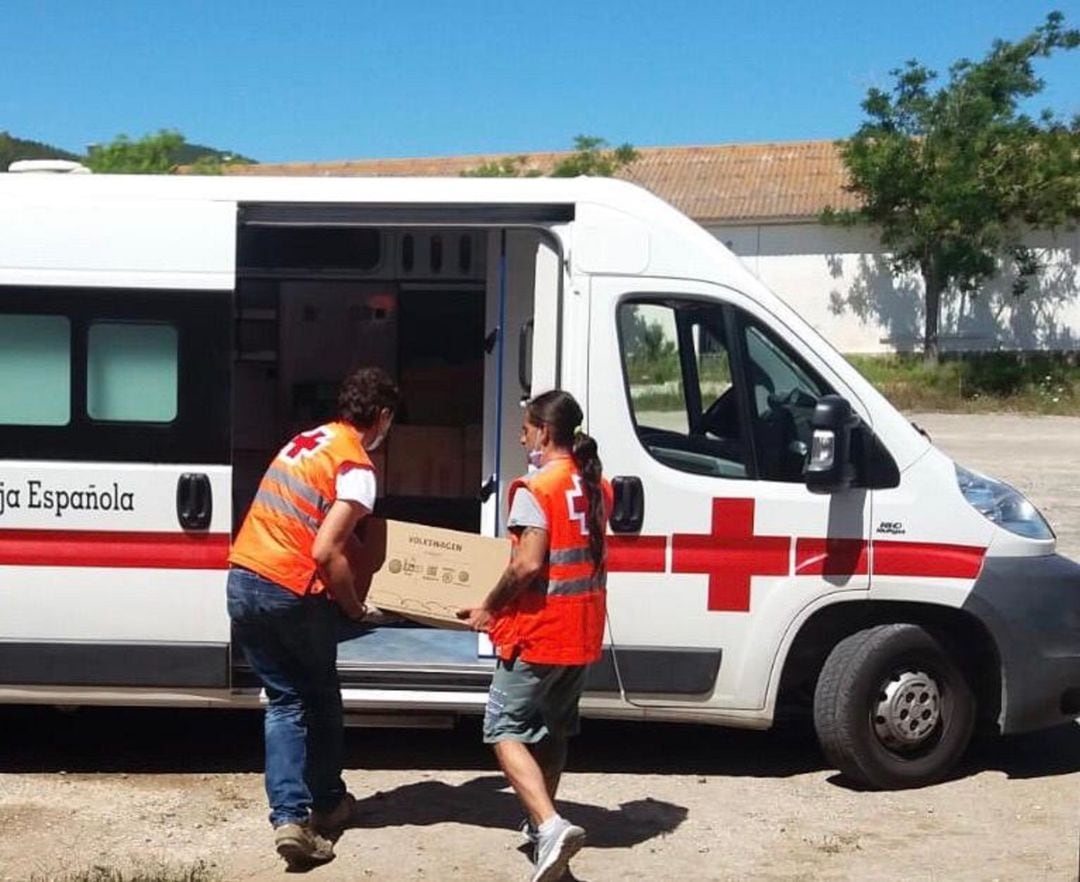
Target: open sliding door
(523, 318)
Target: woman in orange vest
(290, 575)
(546, 618)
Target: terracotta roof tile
(719, 183)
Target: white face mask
(535, 457)
(374, 445)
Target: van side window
(679, 382)
(783, 394)
(132, 372)
(116, 375)
(35, 364)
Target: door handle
(194, 501)
(487, 489)
(628, 512)
(525, 357)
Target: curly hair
(364, 393)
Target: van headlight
(1003, 505)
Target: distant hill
(189, 153)
(13, 149)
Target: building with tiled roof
(763, 201)
(719, 183)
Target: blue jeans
(291, 644)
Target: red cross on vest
(306, 442)
(730, 554)
(578, 505)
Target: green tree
(591, 156)
(161, 153)
(953, 177)
(149, 155)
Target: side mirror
(830, 469)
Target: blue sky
(283, 81)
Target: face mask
(535, 457)
(374, 445)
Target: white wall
(839, 280)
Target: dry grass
(199, 872)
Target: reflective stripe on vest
(297, 486)
(570, 587)
(285, 507)
(571, 556)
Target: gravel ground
(126, 788)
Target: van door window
(115, 375)
(679, 383)
(35, 363)
(132, 372)
(783, 394)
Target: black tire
(892, 709)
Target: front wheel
(892, 709)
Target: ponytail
(590, 468)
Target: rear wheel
(892, 709)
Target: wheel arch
(965, 638)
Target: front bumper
(1031, 607)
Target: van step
(364, 720)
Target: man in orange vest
(546, 618)
(289, 578)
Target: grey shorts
(528, 701)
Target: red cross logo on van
(729, 554)
(305, 444)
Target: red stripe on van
(94, 548)
(831, 557)
(927, 559)
(636, 554)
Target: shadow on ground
(485, 801)
(144, 740)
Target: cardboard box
(427, 573)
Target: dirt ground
(140, 788)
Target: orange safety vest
(291, 503)
(559, 620)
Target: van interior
(315, 302)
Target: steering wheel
(795, 397)
(717, 416)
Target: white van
(782, 537)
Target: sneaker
(554, 850)
(301, 846)
(337, 819)
(528, 831)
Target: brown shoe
(337, 819)
(301, 846)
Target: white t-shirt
(525, 511)
(356, 484)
